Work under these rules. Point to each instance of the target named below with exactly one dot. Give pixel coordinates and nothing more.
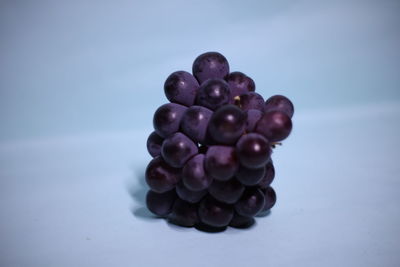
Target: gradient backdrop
(80, 81)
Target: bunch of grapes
(212, 146)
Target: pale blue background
(80, 80)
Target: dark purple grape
(239, 221)
(194, 176)
(226, 191)
(167, 119)
(160, 204)
(221, 162)
(270, 198)
(210, 65)
(251, 100)
(189, 195)
(251, 202)
(280, 103)
(269, 175)
(274, 125)
(239, 84)
(183, 213)
(154, 142)
(215, 213)
(194, 123)
(250, 177)
(178, 149)
(253, 150)
(213, 93)
(227, 124)
(160, 176)
(181, 87)
(253, 115)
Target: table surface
(78, 201)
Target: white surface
(78, 201)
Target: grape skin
(194, 123)
(226, 191)
(194, 175)
(274, 125)
(251, 202)
(213, 93)
(177, 149)
(154, 142)
(215, 213)
(161, 177)
(167, 119)
(280, 103)
(221, 162)
(253, 150)
(181, 87)
(210, 65)
(160, 204)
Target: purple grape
(181, 87)
(269, 175)
(239, 221)
(281, 103)
(213, 93)
(195, 121)
(270, 198)
(250, 177)
(253, 115)
(253, 150)
(193, 174)
(274, 125)
(239, 84)
(226, 191)
(227, 124)
(167, 119)
(251, 202)
(183, 213)
(251, 100)
(160, 176)
(154, 142)
(189, 195)
(178, 149)
(221, 162)
(210, 65)
(160, 204)
(215, 213)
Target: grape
(274, 125)
(183, 213)
(210, 65)
(250, 177)
(193, 174)
(251, 100)
(239, 221)
(215, 213)
(154, 142)
(160, 204)
(269, 175)
(167, 118)
(194, 123)
(189, 195)
(253, 115)
(213, 94)
(181, 87)
(227, 124)
(281, 103)
(239, 84)
(160, 176)
(226, 191)
(177, 149)
(251, 202)
(221, 162)
(253, 150)
(270, 198)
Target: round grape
(181, 87)
(274, 125)
(194, 123)
(183, 213)
(280, 103)
(251, 100)
(221, 162)
(167, 119)
(215, 213)
(193, 174)
(253, 115)
(160, 176)
(253, 150)
(250, 177)
(210, 65)
(213, 93)
(189, 195)
(269, 175)
(270, 198)
(154, 142)
(239, 84)
(177, 149)
(226, 191)
(251, 202)
(160, 204)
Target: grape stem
(274, 144)
(237, 101)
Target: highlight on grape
(212, 146)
